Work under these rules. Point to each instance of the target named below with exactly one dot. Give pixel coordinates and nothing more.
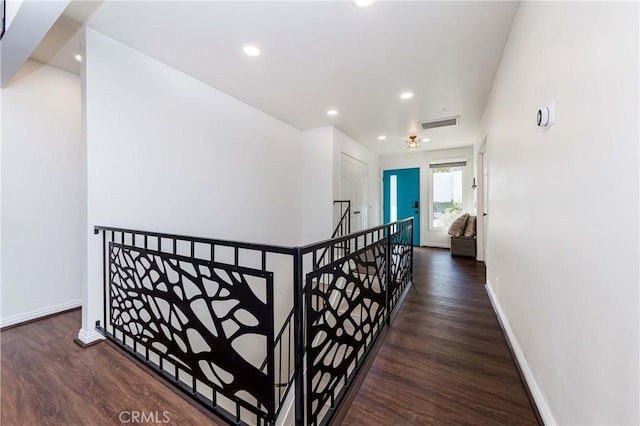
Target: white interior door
(353, 187)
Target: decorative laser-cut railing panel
(401, 263)
(206, 318)
(201, 313)
(345, 304)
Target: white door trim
(480, 228)
(363, 216)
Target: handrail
(344, 219)
(279, 335)
(290, 373)
(143, 268)
(310, 247)
(228, 243)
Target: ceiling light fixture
(413, 144)
(78, 58)
(381, 138)
(332, 112)
(425, 139)
(251, 50)
(407, 95)
(362, 3)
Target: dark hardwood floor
(48, 379)
(443, 361)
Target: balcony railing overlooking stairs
(235, 326)
(346, 303)
(284, 381)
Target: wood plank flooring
(48, 379)
(444, 360)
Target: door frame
(419, 223)
(365, 194)
(429, 192)
(481, 232)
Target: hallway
(443, 361)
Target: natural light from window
(447, 195)
(393, 194)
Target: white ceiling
(322, 55)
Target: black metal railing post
(412, 242)
(271, 409)
(298, 339)
(388, 271)
(104, 277)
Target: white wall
(169, 153)
(563, 218)
(344, 144)
(422, 160)
(317, 190)
(321, 155)
(10, 11)
(43, 215)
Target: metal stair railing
(201, 314)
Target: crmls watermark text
(132, 417)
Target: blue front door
(402, 197)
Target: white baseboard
(536, 393)
(28, 316)
(88, 337)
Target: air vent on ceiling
(441, 122)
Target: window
(446, 193)
(393, 195)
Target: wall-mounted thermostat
(547, 115)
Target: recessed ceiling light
(332, 112)
(251, 50)
(425, 139)
(362, 3)
(78, 58)
(381, 138)
(407, 95)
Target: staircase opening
(239, 326)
